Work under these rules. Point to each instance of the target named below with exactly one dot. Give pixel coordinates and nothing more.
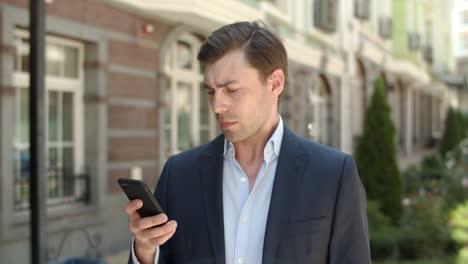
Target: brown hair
(262, 48)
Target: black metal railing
(63, 187)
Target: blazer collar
(211, 176)
(288, 176)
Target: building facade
(123, 87)
(459, 80)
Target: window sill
(57, 211)
(326, 38)
(373, 37)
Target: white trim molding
(407, 70)
(301, 53)
(277, 12)
(207, 15)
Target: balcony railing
(63, 188)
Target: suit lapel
(211, 174)
(288, 175)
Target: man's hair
(262, 48)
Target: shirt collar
(272, 146)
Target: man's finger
(133, 205)
(161, 240)
(152, 221)
(159, 231)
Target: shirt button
(244, 219)
(240, 260)
(243, 180)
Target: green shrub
(433, 167)
(424, 232)
(459, 229)
(454, 131)
(376, 156)
(463, 256)
(455, 190)
(411, 181)
(383, 236)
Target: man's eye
(210, 92)
(232, 90)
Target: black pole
(37, 132)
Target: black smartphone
(136, 189)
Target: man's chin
(233, 138)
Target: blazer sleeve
(350, 237)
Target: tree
(453, 132)
(376, 156)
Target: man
(258, 193)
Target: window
(362, 9)
(464, 18)
(64, 115)
(325, 14)
(316, 110)
(280, 4)
(464, 41)
(188, 121)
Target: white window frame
(317, 129)
(329, 38)
(193, 77)
(59, 84)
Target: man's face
(242, 102)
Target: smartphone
(136, 189)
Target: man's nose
(219, 103)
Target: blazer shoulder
(315, 149)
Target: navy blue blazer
(317, 212)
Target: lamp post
(37, 132)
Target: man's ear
(276, 79)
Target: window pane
(54, 172)
(167, 110)
(204, 136)
(53, 116)
(54, 161)
(67, 117)
(68, 172)
(55, 58)
(184, 55)
(183, 109)
(17, 62)
(71, 62)
(202, 68)
(24, 115)
(167, 141)
(321, 122)
(310, 120)
(22, 178)
(24, 55)
(204, 108)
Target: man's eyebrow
(206, 86)
(226, 83)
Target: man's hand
(149, 232)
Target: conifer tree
(376, 156)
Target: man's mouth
(225, 125)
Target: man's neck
(251, 150)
